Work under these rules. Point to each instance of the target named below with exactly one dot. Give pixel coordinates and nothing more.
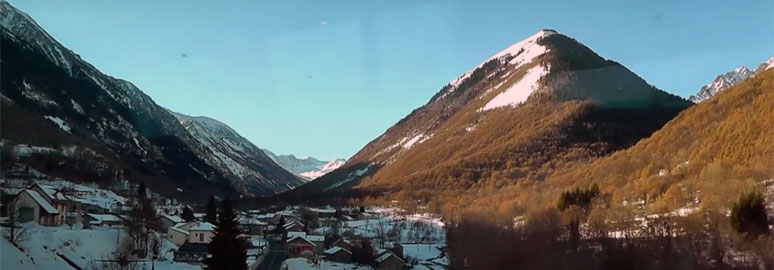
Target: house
(252, 226)
(168, 221)
(191, 252)
(338, 254)
(388, 261)
(317, 240)
(300, 247)
(324, 212)
(343, 243)
(108, 220)
(191, 232)
(293, 225)
(395, 248)
(30, 206)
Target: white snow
(326, 168)
(77, 107)
(523, 51)
(23, 150)
(518, 92)
(419, 138)
(304, 264)
(59, 122)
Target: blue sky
(322, 78)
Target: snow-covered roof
(300, 238)
(203, 226)
(386, 255)
(315, 238)
(323, 210)
(100, 218)
(174, 219)
(42, 202)
(179, 230)
(296, 234)
(333, 250)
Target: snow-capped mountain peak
(306, 167)
(722, 82)
(765, 65)
(729, 79)
(522, 52)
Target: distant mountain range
(542, 103)
(309, 168)
(62, 117)
(728, 80)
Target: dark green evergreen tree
(748, 215)
(227, 251)
(142, 191)
(211, 215)
(188, 214)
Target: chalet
(30, 205)
(324, 212)
(293, 226)
(386, 260)
(300, 247)
(191, 252)
(191, 232)
(338, 254)
(108, 220)
(168, 221)
(343, 243)
(252, 226)
(395, 248)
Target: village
(62, 225)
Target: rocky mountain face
(62, 117)
(237, 157)
(308, 168)
(544, 102)
(728, 80)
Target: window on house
(201, 237)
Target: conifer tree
(211, 215)
(188, 214)
(227, 251)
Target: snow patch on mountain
(419, 138)
(522, 52)
(518, 92)
(728, 80)
(722, 82)
(59, 122)
(326, 168)
(307, 167)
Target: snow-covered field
(304, 264)
(45, 248)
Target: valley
(545, 155)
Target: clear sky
(322, 78)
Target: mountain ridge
(551, 76)
(98, 128)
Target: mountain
(765, 65)
(541, 104)
(706, 157)
(309, 168)
(721, 82)
(62, 117)
(237, 157)
(728, 80)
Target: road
(274, 258)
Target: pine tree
(211, 216)
(227, 251)
(142, 191)
(188, 214)
(748, 215)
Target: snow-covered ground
(305, 264)
(45, 248)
